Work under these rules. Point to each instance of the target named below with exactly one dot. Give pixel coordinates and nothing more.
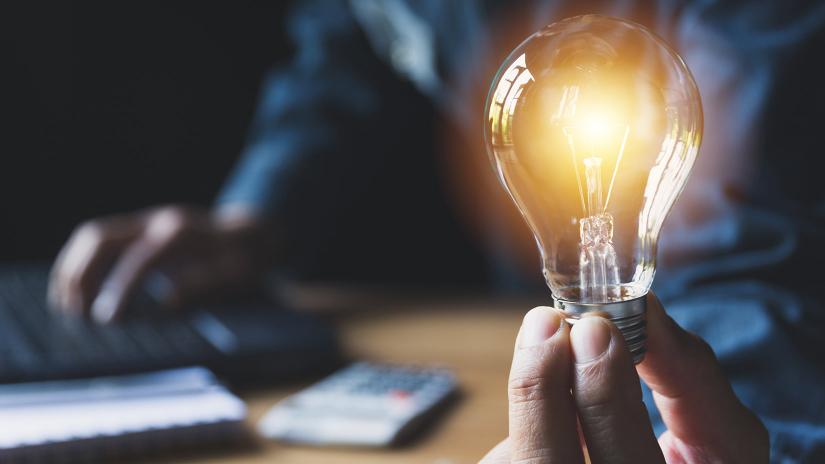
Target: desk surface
(474, 339)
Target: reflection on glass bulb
(592, 125)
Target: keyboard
(249, 341)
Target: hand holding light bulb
(705, 420)
(592, 125)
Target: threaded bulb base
(628, 316)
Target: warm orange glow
(593, 126)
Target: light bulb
(592, 125)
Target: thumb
(542, 414)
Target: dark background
(109, 107)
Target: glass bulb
(592, 125)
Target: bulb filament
(598, 269)
(594, 132)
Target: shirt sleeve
(314, 112)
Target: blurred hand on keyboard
(179, 253)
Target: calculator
(364, 404)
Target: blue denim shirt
(742, 254)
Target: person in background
(365, 162)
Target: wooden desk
(473, 338)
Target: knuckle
(592, 374)
(592, 384)
(171, 210)
(702, 349)
(525, 391)
(601, 385)
(168, 223)
(90, 233)
(595, 409)
(603, 401)
(526, 386)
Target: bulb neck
(628, 316)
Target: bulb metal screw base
(628, 316)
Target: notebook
(94, 419)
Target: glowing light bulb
(592, 125)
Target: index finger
(82, 263)
(164, 232)
(608, 396)
(696, 401)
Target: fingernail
(103, 308)
(539, 324)
(589, 338)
